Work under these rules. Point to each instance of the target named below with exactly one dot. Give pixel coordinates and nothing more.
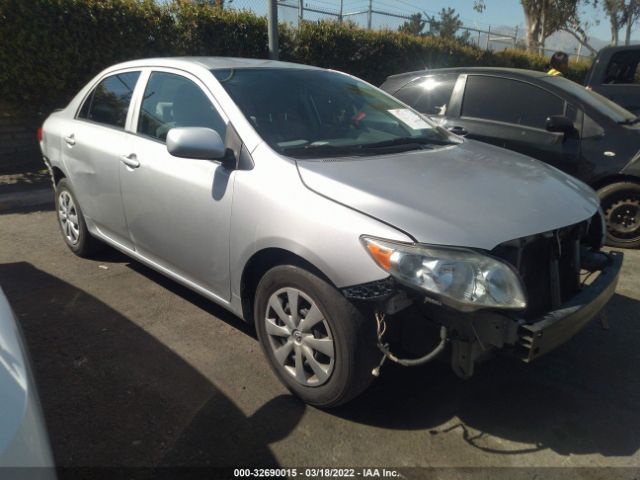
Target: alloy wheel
(68, 217)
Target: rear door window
(623, 68)
(429, 94)
(109, 101)
(509, 101)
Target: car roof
(210, 63)
(623, 48)
(512, 72)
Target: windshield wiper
(321, 149)
(314, 149)
(402, 141)
(630, 121)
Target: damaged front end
(564, 280)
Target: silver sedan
(317, 207)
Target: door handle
(457, 130)
(70, 140)
(130, 160)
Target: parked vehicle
(614, 73)
(323, 210)
(23, 434)
(546, 117)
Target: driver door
(178, 210)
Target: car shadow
(583, 398)
(110, 255)
(113, 395)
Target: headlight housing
(463, 279)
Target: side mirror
(559, 124)
(196, 142)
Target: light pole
(272, 28)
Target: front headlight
(462, 279)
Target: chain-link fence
(381, 14)
(369, 14)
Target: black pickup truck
(615, 74)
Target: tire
(621, 206)
(71, 222)
(345, 369)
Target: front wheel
(318, 344)
(621, 206)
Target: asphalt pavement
(135, 370)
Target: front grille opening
(549, 265)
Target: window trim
(519, 125)
(138, 94)
(91, 90)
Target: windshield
(308, 113)
(602, 104)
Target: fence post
(369, 14)
(488, 36)
(272, 28)
(300, 11)
(341, 10)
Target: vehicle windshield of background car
(307, 113)
(602, 104)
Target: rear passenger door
(93, 147)
(512, 114)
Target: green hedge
(50, 48)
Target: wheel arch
(259, 264)
(57, 174)
(617, 178)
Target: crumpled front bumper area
(474, 336)
(552, 329)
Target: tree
(632, 14)
(447, 25)
(579, 31)
(414, 26)
(479, 6)
(212, 3)
(545, 17)
(616, 12)
(621, 14)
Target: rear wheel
(621, 206)
(318, 344)
(72, 224)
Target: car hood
(471, 195)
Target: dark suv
(549, 118)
